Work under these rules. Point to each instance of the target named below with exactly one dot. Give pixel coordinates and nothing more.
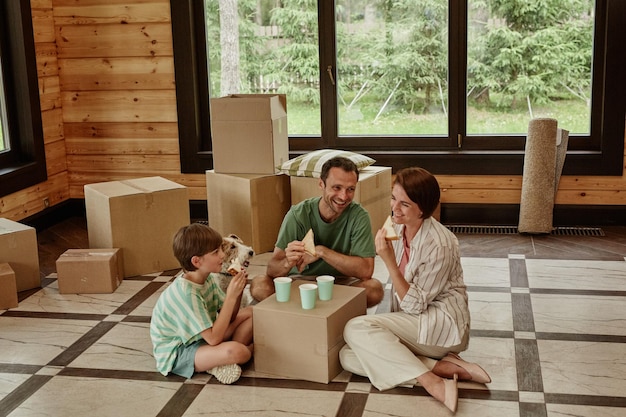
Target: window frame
(601, 153)
(24, 164)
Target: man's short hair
(338, 162)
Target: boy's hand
(237, 284)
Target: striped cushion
(310, 164)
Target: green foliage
(518, 50)
(294, 64)
(525, 16)
(405, 57)
(532, 49)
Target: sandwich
(389, 230)
(309, 243)
(235, 267)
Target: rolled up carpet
(538, 181)
(562, 138)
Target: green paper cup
(282, 285)
(325, 285)
(308, 294)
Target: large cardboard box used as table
(304, 344)
(18, 247)
(249, 133)
(251, 206)
(139, 216)
(373, 192)
(90, 271)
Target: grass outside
(361, 119)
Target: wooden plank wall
(116, 71)
(106, 78)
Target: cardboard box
(8, 287)
(249, 206)
(304, 344)
(249, 133)
(373, 192)
(139, 216)
(18, 247)
(90, 271)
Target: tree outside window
(529, 60)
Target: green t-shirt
(182, 312)
(350, 234)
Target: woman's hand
(383, 247)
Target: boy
(188, 334)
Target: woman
(429, 321)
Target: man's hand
(294, 253)
(297, 256)
(307, 259)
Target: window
(361, 70)
(22, 154)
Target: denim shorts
(184, 365)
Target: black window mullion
(457, 75)
(328, 69)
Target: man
(344, 245)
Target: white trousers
(384, 348)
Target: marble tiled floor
(551, 333)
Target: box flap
(133, 186)
(87, 255)
(153, 184)
(5, 268)
(251, 107)
(10, 226)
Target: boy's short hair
(338, 162)
(195, 239)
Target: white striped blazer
(437, 294)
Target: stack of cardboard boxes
(130, 224)
(245, 194)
